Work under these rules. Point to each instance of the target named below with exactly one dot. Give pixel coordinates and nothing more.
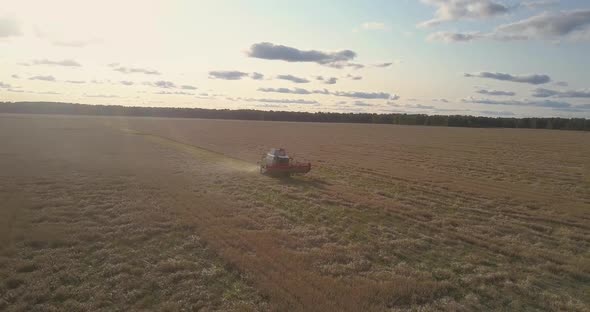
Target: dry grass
(118, 213)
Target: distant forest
(249, 114)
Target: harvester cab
(277, 162)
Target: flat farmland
(112, 213)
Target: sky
(512, 58)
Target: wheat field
(113, 213)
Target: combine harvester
(277, 163)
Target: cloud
(280, 101)
(541, 4)
(544, 103)
(75, 81)
(451, 37)
(374, 26)
(364, 104)
(70, 63)
(285, 90)
(287, 101)
(363, 95)
(573, 25)
(531, 79)
(452, 10)
(133, 70)
(292, 78)
(331, 80)
(568, 25)
(327, 80)
(342, 65)
(544, 93)
(383, 64)
(174, 93)
(354, 77)
(496, 92)
(164, 84)
(5, 85)
(15, 76)
(496, 113)
(227, 74)
(257, 76)
(101, 95)
(44, 78)
(441, 100)
(9, 28)
(270, 51)
(420, 106)
(561, 83)
(126, 83)
(354, 94)
(187, 87)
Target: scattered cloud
(496, 92)
(496, 113)
(452, 10)
(374, 26)
(352, 77)
(292, 78)
(286, 101)
(441, 100)
(359, 95)
(5, 85)
(451, 37)
(387, 64)
(164, 84)
(572, 25)
(9, 27)
(541, 4)
(101, 95)
(531, 79)
(75, 81)
(44, 78)
(133, 70)
(569, 25)
(364, 95)
(420, 106)
(544, 93)
(545, 103)
(285, 90)
(327, 80)
(15, 76)
(270, 51)
(227, 74)
(561, 83)
(174, 93)
(126, 83)
(188, 87)
(331, 80)
(257, 76)
(361, 103)
(69, 63)
(278, 101)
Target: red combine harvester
(277, 162)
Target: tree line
(250, 114)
